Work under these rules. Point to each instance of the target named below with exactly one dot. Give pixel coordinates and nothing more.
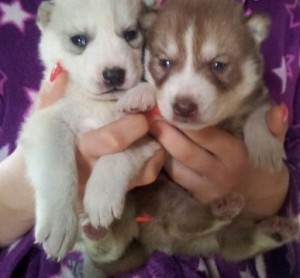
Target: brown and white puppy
(204, 69)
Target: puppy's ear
(155, 4)
(44, 13)
(147, 19)
(259, 26)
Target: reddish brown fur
(209, 19)
(181, 224)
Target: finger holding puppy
(210, 163)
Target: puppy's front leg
(264, 149)
(141, 98)
(49, 155)
(106, 189)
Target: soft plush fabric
(20, 75)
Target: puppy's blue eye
(166, 64)
(130, 35)
(218, 66)
(79, 41)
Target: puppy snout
(185, 107)
(114, 76)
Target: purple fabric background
(20, 75)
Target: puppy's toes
(57, 234)
(228, 207)
(101, 212)
(281, 229)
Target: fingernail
(57, 69)
(153, 114)
(284, 112)
(159, 4)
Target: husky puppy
(100, 44)
(204, 69)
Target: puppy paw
(280, 229)
(57, 232)
(264, 149)
(91, 232)
(267, 153)
(228, 207)
(139, 99)
(104, 206)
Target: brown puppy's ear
(151, 8)
(155, 4)
(147, 19)
(259, 26)
(44, 13)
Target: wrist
(16, 199)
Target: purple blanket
(20, 75)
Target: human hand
(210, 163)
(105, 140)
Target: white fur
(50, 135)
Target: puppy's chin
(185, 123)
(113, 94)
(189, 125)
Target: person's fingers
(199, 186)
(277, 119)
(150, 170)
(52, 91)
(198, 170)
(115, 137)
(183, 149)
(227, 148)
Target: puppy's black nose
(114, 76)
(185, 107)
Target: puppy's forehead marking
(171, 48)
(209, 49)
(188, 44)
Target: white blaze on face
(187, 83)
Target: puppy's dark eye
(130, 35)
(218, 66)
(80, 41)
(165, 63)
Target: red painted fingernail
(284, 112)
(55, 72)
(152, 114)
(143, 218)
(159, 4)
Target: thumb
(277, 120)
(52, 91)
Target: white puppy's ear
(44, 13)
(259, 26)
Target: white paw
(57, 232)
(138, 99)
(105, 205)
(269, 154)
(264, 149)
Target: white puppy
(100, 44)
